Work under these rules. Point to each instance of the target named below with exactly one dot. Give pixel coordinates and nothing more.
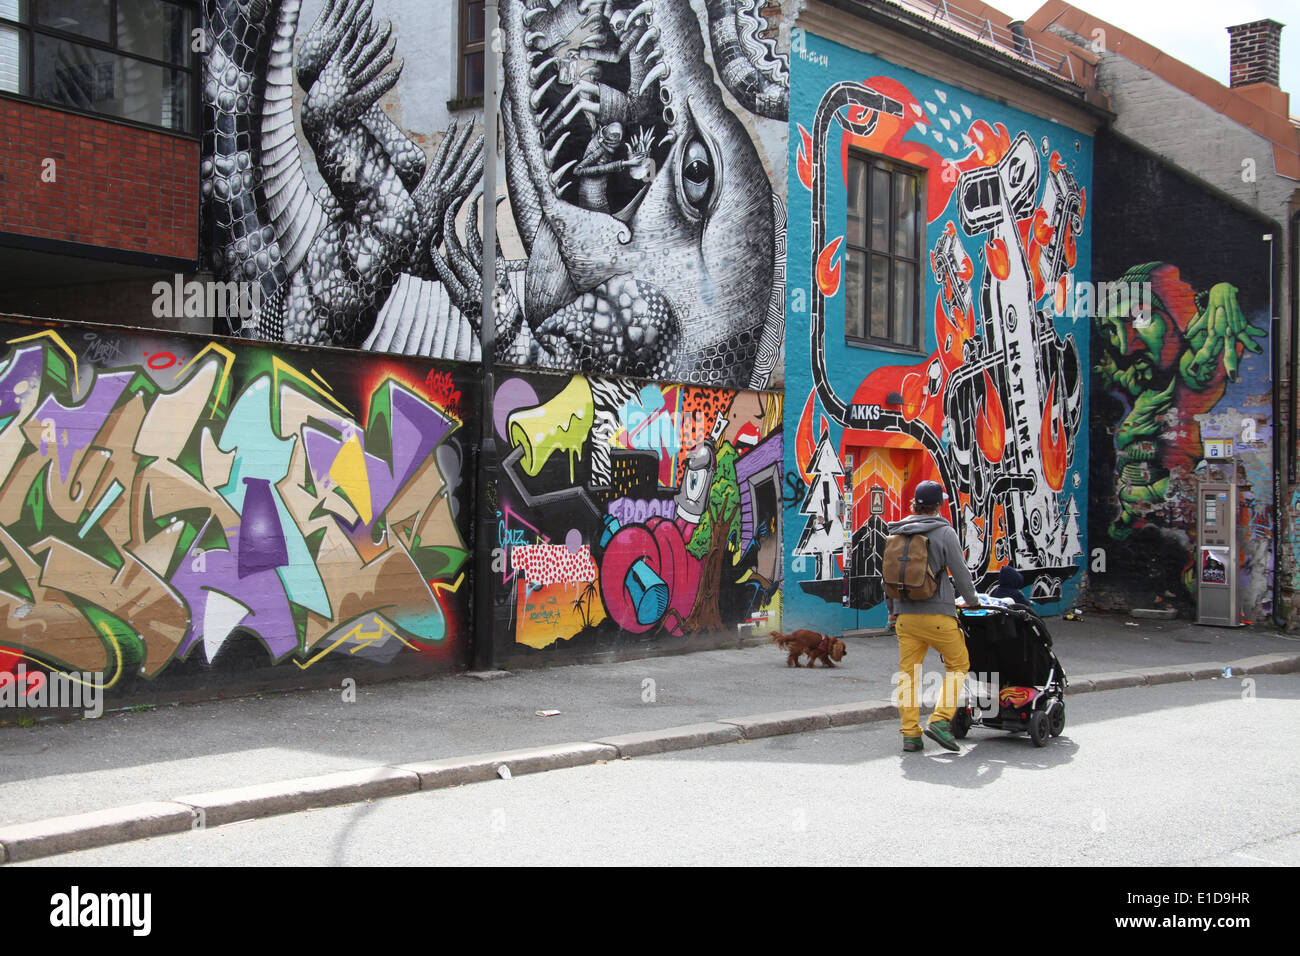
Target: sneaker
(913, 744)
(938, 730)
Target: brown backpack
(906, 569)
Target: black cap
(929, 493)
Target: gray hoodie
(945, 553)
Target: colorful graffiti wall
(645, 230)
(634, 516)
(177, 510)
(1181, 369)
(987, 394)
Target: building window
(885, 236)
(471, 48)
(131, 59)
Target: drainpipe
(484, 513)
(1293, 359)
(1293, 362)
(1274, 361)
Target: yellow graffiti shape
(349, 473)
(562, 424)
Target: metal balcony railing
(981, 28)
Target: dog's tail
(780, 639)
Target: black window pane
(880, 297)
(904, 215)
(855, 282)
(880, 210)
(83, 78)
(857, 212)
(473, 74)
(474, 22)
(154, 29)
(904, 303)
(87, 18)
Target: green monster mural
(1170, 353)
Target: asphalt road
(1179, 774)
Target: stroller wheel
(960, 724)
(1056, 722)
(1038, 729)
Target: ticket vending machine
(1216, 546)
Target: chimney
(1254, 53)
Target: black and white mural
(642, 229)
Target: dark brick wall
(115, 186)
(1146, 446)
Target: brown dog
(816, 646)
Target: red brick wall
(115, 185)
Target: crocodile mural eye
(697, 176)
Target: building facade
(941, 217)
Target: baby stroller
(1011, 642)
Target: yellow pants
(917, 633)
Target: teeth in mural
(668, 138)
(642, 10)
(559, 173)
(557, 122)
(536, 99)
(532, 14)
(654, 55)
(554, 151)
(536, 40)
(536, 72)
(559, 193)
(650, 36)
(659, 72)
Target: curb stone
(1266, 664)
(1113, 680)
(779, 722)
(84, 831)
(686, 737)
(454, 771)
(219, 807)
(865, 712)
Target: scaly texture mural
(992, 401)
(643, 197)
(632, 512)
(162, 498)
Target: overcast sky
(1193, 31)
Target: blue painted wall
(994, 400)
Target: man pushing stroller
(923, 561)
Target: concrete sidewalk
(132, 774)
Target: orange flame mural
(998, 258)
(805, 445)
(828, 269)
(803, 160)
(990, 424)
(1052, 441)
